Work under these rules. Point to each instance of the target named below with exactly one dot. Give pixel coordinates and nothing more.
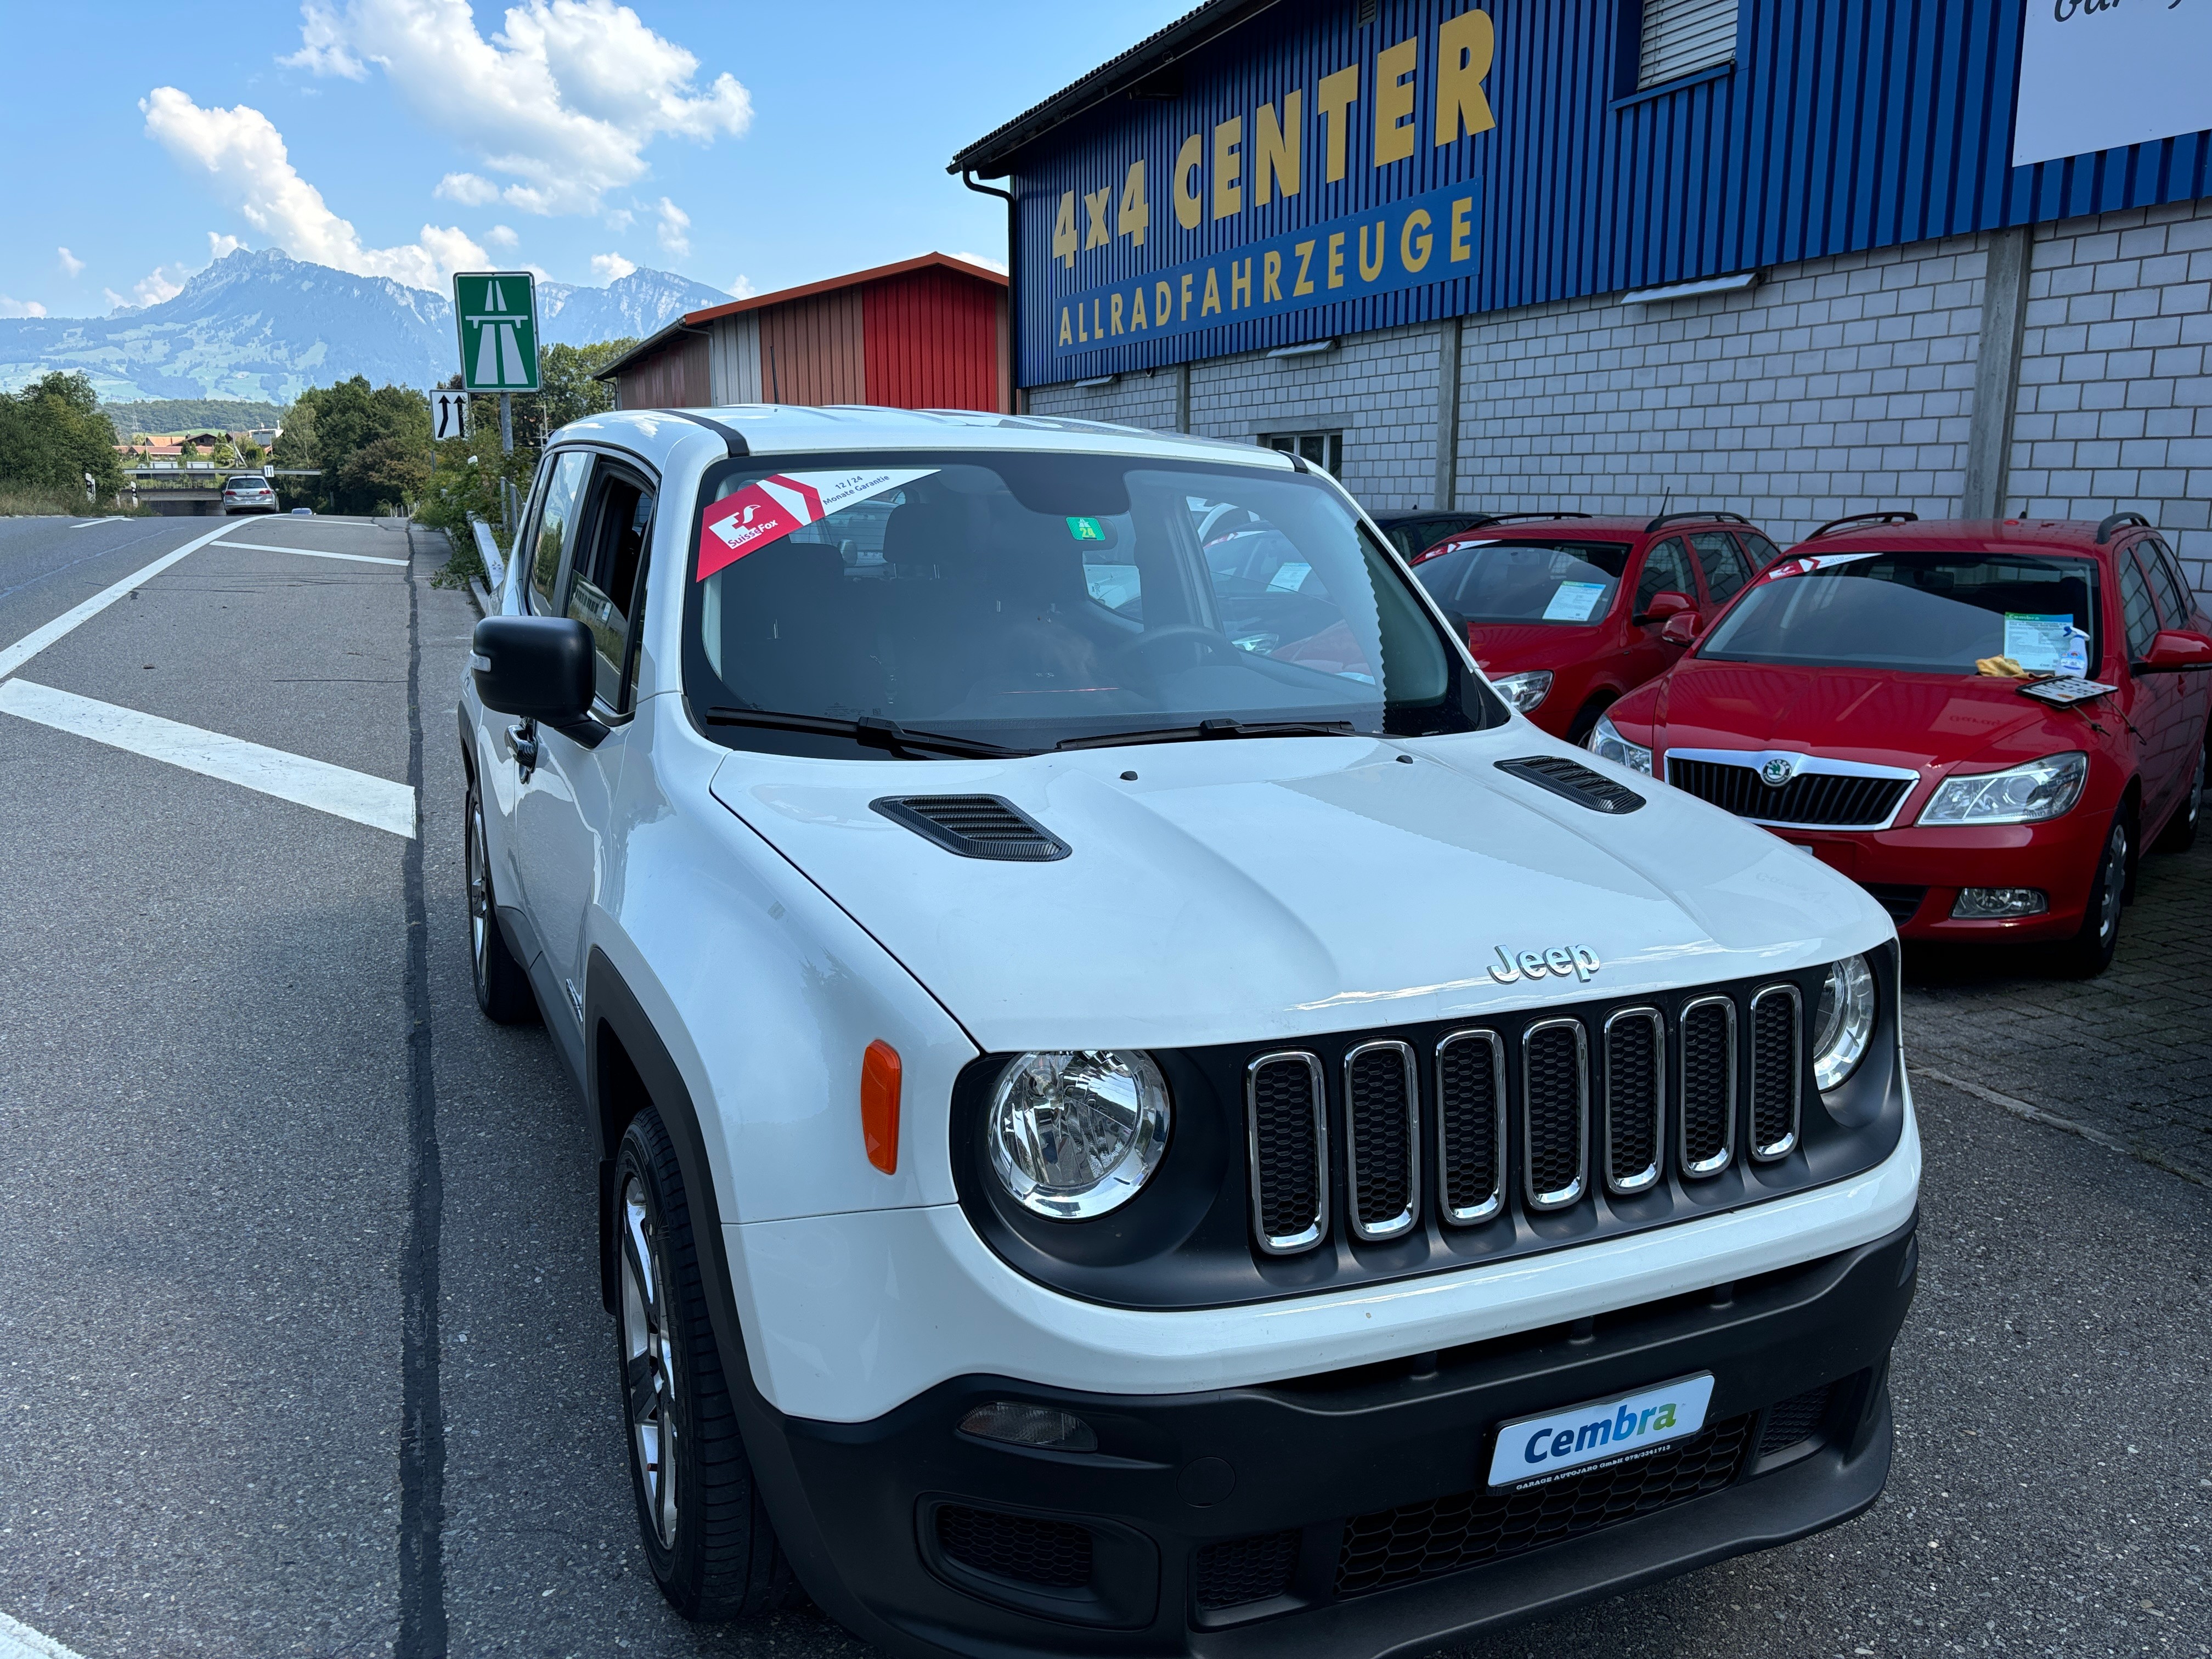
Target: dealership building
(1795, 258)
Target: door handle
(522, 742)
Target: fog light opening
(1041, 1427)
(1991, 904)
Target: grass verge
(18, 503)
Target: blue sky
(748, 146)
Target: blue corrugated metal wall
(1844, 124)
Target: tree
(372, 443)
(52, 432)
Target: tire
(2180, 832)
(706, 1534)
(2089, 953)
(502, 985)
(1585, 722)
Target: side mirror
(1667, 603)
(2176, 650)
(1681, 629)
(539, 668)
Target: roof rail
(2105, 529)
(1698, 518)
(1870, 518)
(1500, 517)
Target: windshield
(1566, 582)
(1925, 613)
(1028, 600)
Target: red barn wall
(932, 341)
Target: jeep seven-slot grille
(1616, 1096)
(1827, 800)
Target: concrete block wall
(2114, 408)
(1836, 385)
(1142, 400)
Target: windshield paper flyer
(1574, 601)
(2038, 643)
(768, 511)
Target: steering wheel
(1212, 645)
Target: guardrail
(488, 550)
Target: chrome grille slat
(1555, 1113)
(1381, 1140)
(1635, 1098)
(1286, 1131)
(1471, 1127)
(1776, 1070)
(1707, 1093)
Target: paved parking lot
(301, 1346)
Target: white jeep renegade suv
(1142, 1110)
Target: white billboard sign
(2098, 74)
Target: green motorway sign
(497, 313)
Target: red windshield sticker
(766, 512)
(1810, 562)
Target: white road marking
(338, 790)
(22, 1642)
(312, 553)
(113, 518)
(15, 656)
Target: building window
(1324, 449)
(1681, 37)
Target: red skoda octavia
(1565, 612)
(1981, 723)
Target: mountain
(260, 327)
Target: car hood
(1514, 647)
(1253, 889)
(1926, 721)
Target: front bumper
(1918, 872)
(1344, 1513)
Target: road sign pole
(507, 422)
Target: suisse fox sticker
(751, 518)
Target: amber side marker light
(879, 1105)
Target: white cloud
(223, 246)
(564, 99)
(21, 307)
(501, 236)
(116, 301)
(70, 262)
(612, 266)
(619, 219)
(162, 282)
(743, 288)
(674, 229)
(243, 158)
(989, 262)
(469, 189)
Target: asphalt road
(301, 1346)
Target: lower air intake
(1026, 1548)
(1243, 1570)
(1422, 1541)
(1797, 1419)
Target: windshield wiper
(1217, 728)
(869, 731)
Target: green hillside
(189, 415)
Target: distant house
(264, 436)
(925, 333)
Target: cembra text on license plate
(1627, 1426)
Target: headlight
(1524, 691)
(1607, 742)
(1074, 1135)
(2024, 794)
(1842, 1024)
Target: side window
(1722, 562)
(605, 589)
(1666, 570)
(2172, 598)
(556, 521)
(2141, 617)
(1763, 552)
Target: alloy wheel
(479, 892)
(649, 1361)
(2112, 882)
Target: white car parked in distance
(1141, 1108)
(248, 492)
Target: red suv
(1566, 612)
(1982, 723)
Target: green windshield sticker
(1086, 529)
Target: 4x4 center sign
(497, 313)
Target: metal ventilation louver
(1570, 778)
(976, 827)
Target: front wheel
(2089, 953)
(503, 986)
(705, 1532)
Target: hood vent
(1576, 781)
(976, 827)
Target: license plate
(1533, 1449)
